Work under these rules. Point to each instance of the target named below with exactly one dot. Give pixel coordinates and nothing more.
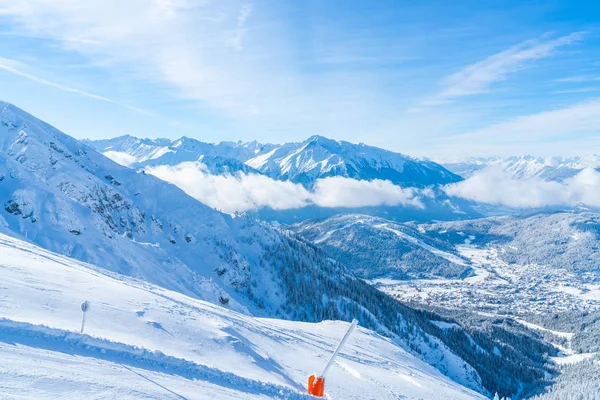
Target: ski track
(58, 340)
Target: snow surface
(143, 341)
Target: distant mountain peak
(300, 162)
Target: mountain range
(523, 167)
(303, 162)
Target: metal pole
(85, 307)
(82, 321)
(337, 350)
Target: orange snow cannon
(316, 384)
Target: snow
(260, 160)
(566, 335)
(120, 157)
(445, 325)
(303, 162)
(143, 341)
(444, 254)
(572, 359)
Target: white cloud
(578, 79)
(234, 57)
(577, 119)
(494, 186)
(243, 192)
(192, 47)
(567, 131)
(346, 192)
(477, 78)
(120, 157)
(244, 14)
(231, 193)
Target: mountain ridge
(299, 162)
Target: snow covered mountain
(319, 157)
(569, 241)
(141, 341)
(303, 162)
(64, 196)
(549, 168)
(224, 157)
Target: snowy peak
(524, 167)
(320, 157)
(221, 158)
(302, 162)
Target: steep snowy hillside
(65, 197)
(142, 341)
(378, 248)
(550, 168)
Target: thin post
(85, 306)
(339, 347)
(82, 321)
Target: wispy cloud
(568, 131)
(579, 79)
(578, 90)
(240, 31)
(244, 192)
(581, 118)
(193, 48)
(479, 77)
(13, 67)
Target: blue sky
(428, 78)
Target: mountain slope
(563, 240)
(378, 248)
(142, 341)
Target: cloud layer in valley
(243, 192)
(494, 186)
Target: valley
(500, 288)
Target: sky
(430, 78)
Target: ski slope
(143, 341)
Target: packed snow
(143, 341)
